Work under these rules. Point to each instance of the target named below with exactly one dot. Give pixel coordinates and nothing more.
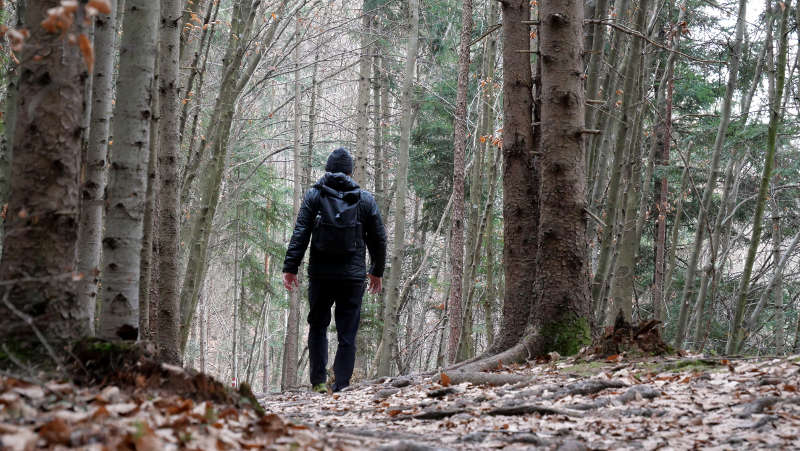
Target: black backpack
(337, 227)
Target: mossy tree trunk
(560, 320)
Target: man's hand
(375, 284)
(290, 281)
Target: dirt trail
(650, 404)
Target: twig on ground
(29, 321)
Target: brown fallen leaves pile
(647, 404)
(56, 415)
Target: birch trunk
(168, 337)
(93, 188)
(122, 241)
(389, 335)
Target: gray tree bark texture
(168, 335)
(122, 240)
(93, 187)
(520, 177)
(454, 304)
(560, 319)
(389, 336)
(290, 346)
(42, 220)
(362, 107)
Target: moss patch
(568, 335)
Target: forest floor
(648, 404)
(657, 403)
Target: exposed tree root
(534, 408)
(492, 379)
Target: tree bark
(42, 217)
(289, 374)
(777, 290)
(93, 187)
(168, 205)
(362, 107)
(560, 321)
(389, 335)
(122, 240)
(459, 150)
(520, 177)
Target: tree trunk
(10, 120)
(168, 214)
(221, 119)
(459, 150)
(203, 331)
(738, 331)
(520, 177)
(389, 335)
(119, 315)
(560, 321)
(711, 184)
(777, 291)
(362, 108)
(289, 375)
(93, 187)
(148, 315)
(615, 206)
(42, 220)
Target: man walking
(341, 221)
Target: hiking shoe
(320, 388)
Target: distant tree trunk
(777, 291)
(602, 144)
(725, 115)
(147, 274)
(93, 188)
(560, 321)
(10, 119)
(459, 150)
(739, 332)
(594, 75)
(362, 108)
(168, 214)
(203, 331)
(119, 315)
(520, 177)
(662, 142)
(233, 81)
(42, 217)
(289, 368)
(389, 336)
(377, 125)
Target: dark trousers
(322, 295)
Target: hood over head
(338, 184)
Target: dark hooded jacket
(351, 266)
